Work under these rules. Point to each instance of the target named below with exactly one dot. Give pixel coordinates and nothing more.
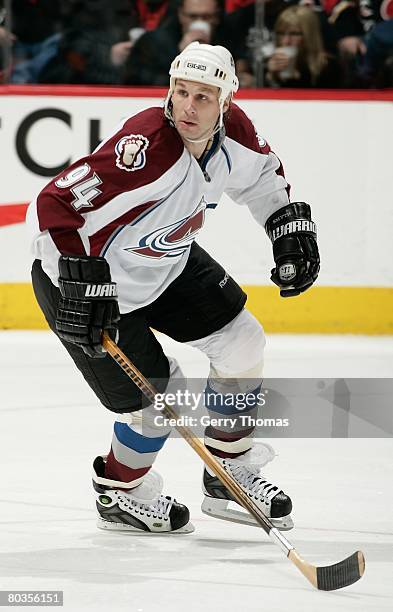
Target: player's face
(195, 108)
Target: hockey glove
(88, 304)
(295, 249)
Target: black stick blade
(341, 574)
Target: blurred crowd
(275, 43)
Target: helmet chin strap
(193, 140)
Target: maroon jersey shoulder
(136, 155)
(239, 127)
(144, 149)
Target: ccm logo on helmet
(196, 66)
(95, 291)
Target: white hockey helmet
(209, 64)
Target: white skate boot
(139, 510)
(273, 502)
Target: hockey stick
(327, 578)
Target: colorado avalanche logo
(172, 240)
(130, 152)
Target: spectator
(376, 66)
(149, 14)
(146, 15)
(35, 36)
(6, 41)
(322, 9)
(299, 59)
(240, 24)
(95, 43)
(196, 20)
(99, 36)
(364, 33)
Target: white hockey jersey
(140, 199)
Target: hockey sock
(132, 453)
(231, 421)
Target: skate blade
(111, 526)
(220, 508)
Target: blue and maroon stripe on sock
(132, 454)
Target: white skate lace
(247, 471)
(160, 508)
(254, 482)
(163, 505)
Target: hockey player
(114, 245)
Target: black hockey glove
(295, 249)
(88, 304)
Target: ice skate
(140, 510)
(271, 500)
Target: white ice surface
(51, 428)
